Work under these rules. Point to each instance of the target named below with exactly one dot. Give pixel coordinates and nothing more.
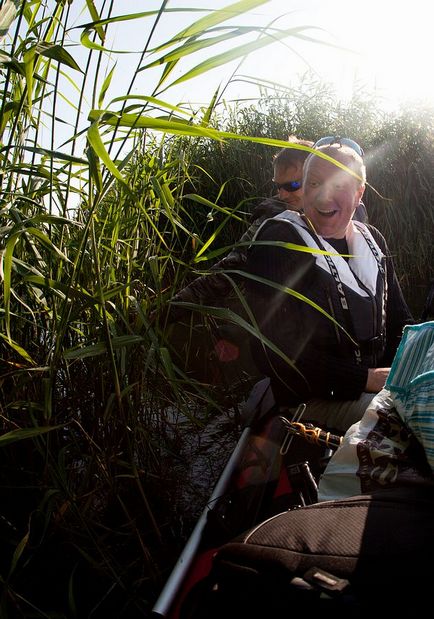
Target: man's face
(284, 175)
(330, 197)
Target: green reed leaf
(59, 53)
(232, 54)
(97, 145)
(105, 86)
(24, 433)
(194, 46)
(158, 103)
(18, 349)
(85, 37)
(214, 18)
(101, 348)
(96, 17)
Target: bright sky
(383, 46)
(389, 49)
(392, 45)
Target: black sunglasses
(330, 140)
(289, 187)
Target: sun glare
(398, 47)
(389, 46)
(382, 46)
(394, 46)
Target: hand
(376, 379)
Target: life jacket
(358, 284)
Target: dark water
(203, 454)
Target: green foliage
(399, 149)
(95, 235)
(105, 210)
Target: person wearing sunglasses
(330, 316)
(287, 175)
(217, 287)
(287, 179)
(211, 359)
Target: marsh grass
(95, 234)
(399, 150)
(108, 206)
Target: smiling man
(336, 312)
(331, 193)
(287, 177)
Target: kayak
(274, 467)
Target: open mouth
(328, 214)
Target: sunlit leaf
(85, 37)
(234, 53)
(62, 289)
(11, 108)
(7, 265)
(182, 127)
(105, 86)
(58, 220)
(7, 272)
(59, 53)
(96, 143)
(229, 315)
(29, 67)
(159, 103)
(55, 154)
(191, 47)
(210, 109)
(292, 293)
(215, 17)
(18, 550)
(45, 240)
(96, 17)
(94, 168)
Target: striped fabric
(411, 383)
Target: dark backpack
(365, 556)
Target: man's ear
(361, 192)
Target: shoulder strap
(342, 297)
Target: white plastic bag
(377, 452)
(393, 443)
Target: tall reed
(95, 232)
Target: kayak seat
(367, 555)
